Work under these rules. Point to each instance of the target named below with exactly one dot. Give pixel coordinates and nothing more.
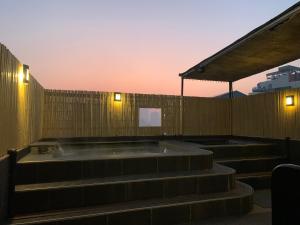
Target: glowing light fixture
(117, 97)
(289, 100)
(25, 74)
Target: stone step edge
(241, 191)
(217, 170)
(238, 145)
(242, 159)
(254, 175)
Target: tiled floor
(261, 214)
(262, 218)
(263, 198)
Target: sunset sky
(129, 46)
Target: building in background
(286, 77)
(234, 95)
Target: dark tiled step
(245, 150)
(260, 180)
(52, 171)
(252, 165)
(81, 193)
(159, 211)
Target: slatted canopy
(272, 44)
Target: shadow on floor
(260, 215)
(262, 198)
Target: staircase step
(52, 171)
(80, 193)
(244, 150)
(155, 211)
(261, 180)
(229, 150)
(253, 164)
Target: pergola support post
(181, 105)
(231, 108)
(230, 90)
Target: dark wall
(4, 168)
(294, 152)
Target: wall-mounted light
(25, 74)
(117, 97)
(289, 100)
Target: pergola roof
(272, 44)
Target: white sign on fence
(149, 117)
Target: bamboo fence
(28, 112)
(266, 115)
(20, 105)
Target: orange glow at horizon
(129, 46)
